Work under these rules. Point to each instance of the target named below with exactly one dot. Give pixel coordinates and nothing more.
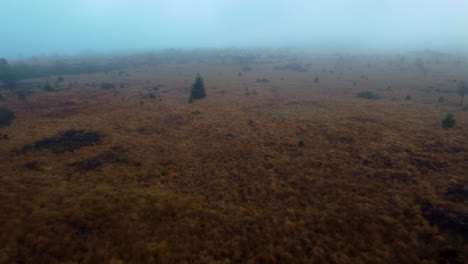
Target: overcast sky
(35, 27)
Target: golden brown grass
(229, 183)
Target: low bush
(262, 80)
(448, 121)
(367, 95)
(6, 116)
(107, 86)
(48, 88)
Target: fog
(66, 27)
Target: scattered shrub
(21, 95)
(198, 89)
(446, 220)
(48, 88)
(246, 68)
(2, 98)
(248, 91)
(151, 96)
(408, 98)
(448, 121)
(367, 95)
(262, 80)
(441, 99)
(60, 79)
(316, 80)
(32, 165)
(301, 143)
(292, 67)
(465, 108)
(6, 116)
(107, 86)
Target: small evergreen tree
(462, 90)
(198, 89)
(448, 121)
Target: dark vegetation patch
(6, 116)
(424, 164)
(367, 95)
(249, 92)
(447, 220)
(107, 86)
(23, 94)
(150, 96)
(32, 165)
(69, 140)
(114, 155)
(157, 87)
(297, 67)
(301, 143)
(457, 193)
(262, 80)
(246, 68)
(448, 121)
(338, 138)
(49, 88)
(380, 161)
(4, 137)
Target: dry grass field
(294, 170)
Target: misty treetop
(7, 74)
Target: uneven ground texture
(225, 180)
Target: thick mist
(64, 27)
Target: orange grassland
(224, 180)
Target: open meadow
(290, 158)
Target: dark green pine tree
(198, 89)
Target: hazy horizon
(69, 27)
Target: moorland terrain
(291, 158)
